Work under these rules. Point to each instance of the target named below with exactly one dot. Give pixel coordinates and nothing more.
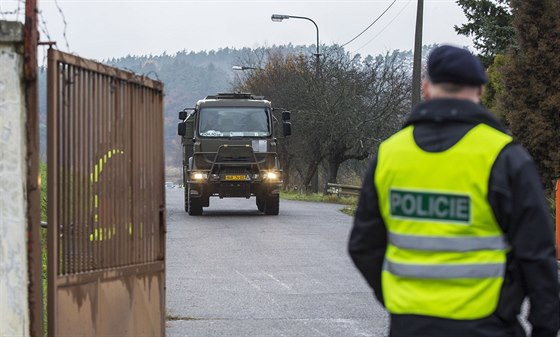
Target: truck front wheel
(195, 205)
(272, 204)
(260, 203)
(186, 189)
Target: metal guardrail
(343, 190)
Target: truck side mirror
(183, 114)
(285, 115)
(287, 129)
(181, 128)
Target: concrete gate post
(14, 304)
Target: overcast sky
(101, 29)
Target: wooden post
(35, 286)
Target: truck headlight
(272, 175)
(198, 176)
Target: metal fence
(106, 220)
(343, 190)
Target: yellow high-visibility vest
(446, 252)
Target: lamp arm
(316, 27)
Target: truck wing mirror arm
(185, 113)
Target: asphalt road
(236, 272)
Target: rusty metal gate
(106, 201)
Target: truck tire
(195, 206)
(272, 204)
(205, 201)
(186, 189)
(260, 203)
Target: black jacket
(517, 199)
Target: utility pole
(315, 179)
(417, 65)
(34, 265)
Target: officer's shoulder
(397, 135)
(514, 156)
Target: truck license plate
(236, 177)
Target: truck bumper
(228, 189)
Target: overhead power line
(384, 27)
(368, 27)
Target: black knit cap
(448, 64)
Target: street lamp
(280, 17)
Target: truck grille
(234, 171)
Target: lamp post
(280, 17)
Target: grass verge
(350, 202)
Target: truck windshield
(234, 122)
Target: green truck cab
(230, 151)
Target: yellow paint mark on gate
(100, 234)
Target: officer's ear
(426, 90)
(481, 90)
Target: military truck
(230, 151)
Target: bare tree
(340, 110)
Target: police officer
(452, 229)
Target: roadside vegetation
(350, 202)
(518, 42)
(342, 106)
(552, 203)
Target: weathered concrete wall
(14, 313)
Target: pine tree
(489, 22)
(531, 83)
